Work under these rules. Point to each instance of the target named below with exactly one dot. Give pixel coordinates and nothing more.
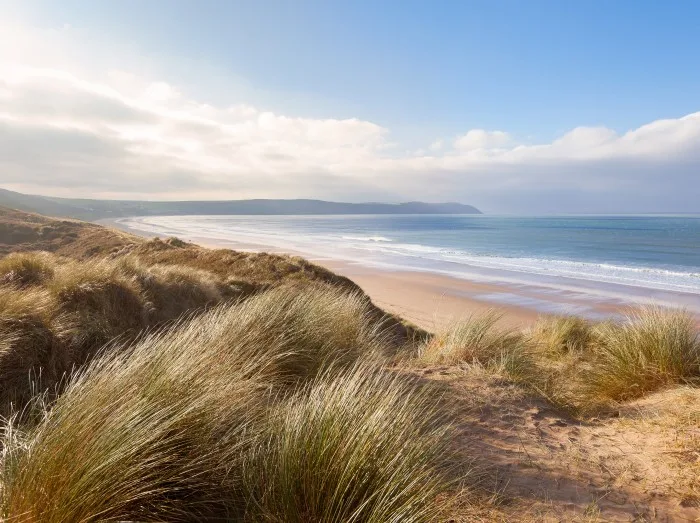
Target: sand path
(538, 464)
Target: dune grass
(88, 303)
(362, 446)
(148, 433)
(581, 367)
(609, 363)
(103, 302)
(171, 290)
(209, 420)
(653, 348)
(478, 339)
(303, 332)
(23, 269)
(22, 231)
(56, 313)
(592, 368)
(29, 349)
(559, 335)
(556, 352)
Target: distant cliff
(85, 209)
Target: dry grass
(653, 348)
(277, 408)
(559, 335)
(52, 323)
(577, 366)
(30, 352)
(304, 331)
(56, 313)
(592, 368)
(478, 339)
(197, 423)
(171, 290)
(23, 269)
(23, 231)
(363, 446)
(102, 302)
(158, 429)
(247, 268)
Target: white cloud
(68, 131)
(437, 145)
(481, 139)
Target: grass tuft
(172, 290)
(159, 429)
(29, 351)
(653, 348)
(103, 303)
(559, 335)
(588, 369)
(25, 269)
(364, 446)
(311, 328)
(479, 339)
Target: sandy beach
(429, 300)
(434, 301)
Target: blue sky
(426, 73)
(538, 68)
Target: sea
(653, 258)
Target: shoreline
(433, 300)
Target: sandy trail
(643, 465)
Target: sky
(524, 107)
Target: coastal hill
(86, 209)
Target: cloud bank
(64, 132)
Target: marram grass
(149, 435)
(363, 446)
(651, 349)
(276, 408)
(26, 269)
(57, 313)
(478, 339)
(580, 366)
(559, 335)
(214, 418)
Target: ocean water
(617, 255)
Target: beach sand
(428, 300)
(434, 301)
